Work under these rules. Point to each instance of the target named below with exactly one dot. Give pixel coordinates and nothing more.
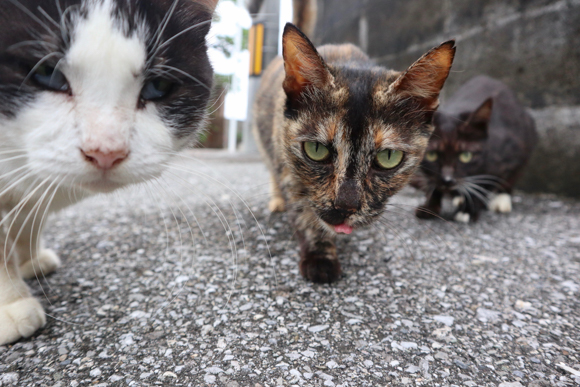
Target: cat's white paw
(46, 262)
(501, 203)
(462, 217)
(277, 204)
(20, 319)
(458, 201)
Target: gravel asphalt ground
(183, 283)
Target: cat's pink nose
(105, 160)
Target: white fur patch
(458, 201)
(462, 217)
(501, 203)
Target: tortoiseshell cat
(340, 136)
(482, 141)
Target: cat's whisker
(33, 17)
(223, 219)
(160, 72)
(465, 194)
(64, 19)
(161, 28)
(15, 183)
(233, 191)
(31, 212)
(184, 73)
(27, 43)
(38, 64)
(13, 158)
(18, 208)
(40, 226)
(385, 222)
(456, 230)
(156, 200)
(479, 188)
(181, 247)
(47, 16)
(225, 90)
(181, 33)
(475, 192)
(12, 151)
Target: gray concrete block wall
(531, 45)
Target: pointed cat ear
(477, 122)
(482, 114)
(304, 66)
(425, 78)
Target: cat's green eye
(50, 78)
(465, 157)
(389, 158)
(431, 156)
(156, 89)
(316, 151)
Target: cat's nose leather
(105, 160)
(348, 197)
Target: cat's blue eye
(50, 78)
(156, 89)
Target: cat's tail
(305, 14)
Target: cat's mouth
(343, 229)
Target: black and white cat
(94, 95)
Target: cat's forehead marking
(102, 56)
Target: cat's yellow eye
(316, 151)
(389, 159)
(431, 156)
(465, 157)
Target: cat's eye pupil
(389, 158)
(50, 78)
(316, 151)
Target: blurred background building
(531, 45)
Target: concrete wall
(531, 45)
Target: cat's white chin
(101, 186)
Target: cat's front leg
(318, 258)
(20, 313)
(35, 260)
(277, 202)
(469, 210)
(432, 207)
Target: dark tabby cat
(340, 136)
(482, 141)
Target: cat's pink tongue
(343, 228)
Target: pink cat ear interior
(426, 77)
(303, 65)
